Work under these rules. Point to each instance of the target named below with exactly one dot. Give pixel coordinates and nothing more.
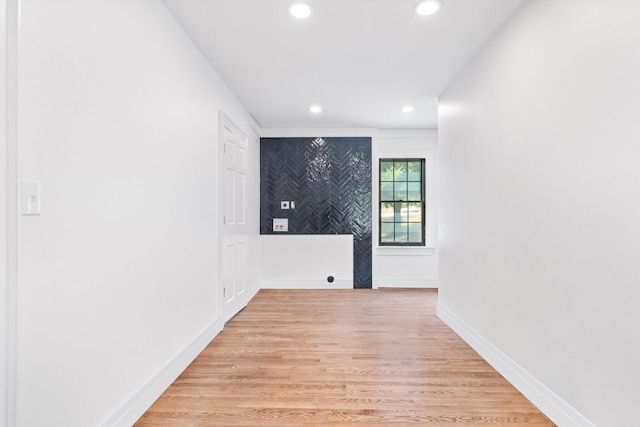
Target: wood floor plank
(340, 357)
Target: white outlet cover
(280, 225)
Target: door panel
(234, 228)
(241, 270)
(229, 197)
(240, 212)
(228, 277)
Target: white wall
(410, 266)
(4, 198)
(118, 118)
(392, 267)
(540, 242)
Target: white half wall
(118, 287)
(305, 261)
(407, 267)
(539, 238)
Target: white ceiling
(361, 60)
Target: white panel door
(234, 229)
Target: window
(402, 208)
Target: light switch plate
(30, 197)
(284, 204)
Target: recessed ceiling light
(407, 109)
(428, 7)
(315, 109)
(300, 10)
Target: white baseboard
(252, 290)
(559, 411)
(305, 284)
(406, 283)
(144, 398)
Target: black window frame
(397, 203)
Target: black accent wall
(330, 181)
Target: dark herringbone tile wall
(330, 181)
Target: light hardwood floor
(340, 357)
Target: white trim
(305, 284)
(554, 407)
(404, 251)
(406, 283)
(132, 410)
(314, 132)
(407, 133)
(13, 33)
(219, 219)
(253, 289)
(337, 132)
(254, 126)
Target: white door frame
(9, 203)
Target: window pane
(386, 191)
(386, 212)
(414, 212)
(400, 171)
(386, 233)
(399, 191)
(414, 192)
(414, 171)
(386, 171)
(415, 233)
(401, 233)
(400, 212)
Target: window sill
(404, 251)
